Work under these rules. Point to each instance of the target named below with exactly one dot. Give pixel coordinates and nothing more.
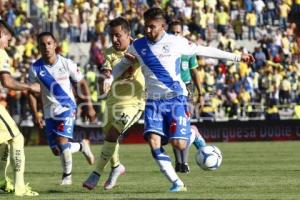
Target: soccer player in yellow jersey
(11, 139)
(124, 105)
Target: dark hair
(154, 13)
(3, 24)
(46, 33)
(176, 23)
(120, 21)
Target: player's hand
(247, 58)
(35, 88)
(38, 119)
(130, 57)
(91, 114)
(106, 85)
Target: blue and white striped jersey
(161, 60)
(56, 85)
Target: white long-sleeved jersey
(160, 62)
(56, 87)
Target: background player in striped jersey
(124, 104)
(56, 74)
(166, 118)
(188, 72)
(11, 139)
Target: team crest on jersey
(144, 51)
(61, 70)
(42, 73)
(166, 48)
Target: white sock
(66, 158)
(74, 147)
(165, 165)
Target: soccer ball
(209, 157)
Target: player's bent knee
(178, 144)
(56, 151)
(113, 135)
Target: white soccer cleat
(25, 191)
(92, 181)
(178, 188)
(67, 180)
(113, 177)
(86, 150)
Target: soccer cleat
(7, 185)
(92, 181)
(86, 150)
(178, 188)
(66, 180)
(178, 167)
(26, 191)
(199, 140)
(113, 177)
(185, 168)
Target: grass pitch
(256, 170)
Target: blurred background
(259, 101)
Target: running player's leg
(128, 115)
(179, 129)
(5, 183)
(107, 151)
(58, 132)
(154, 133)
(18, 164)
(11, 133)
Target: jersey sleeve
(32, 76)
(193, 62)
(189, 48)
(75, 73)
(4, 61)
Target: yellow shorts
(8, 127)
(121, 116)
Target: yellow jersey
(130, 87)
(4, 61)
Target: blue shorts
(168, 118)
(63, 127)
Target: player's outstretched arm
(38, 119)
(86, 96)
(197, 81)
(8, 82)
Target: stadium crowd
(268, 88)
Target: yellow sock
(18, 160)
(115, 161)
(107, 152)
(4, 160)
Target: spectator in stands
(237, 25)
(251, 22)
(272, 112)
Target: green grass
(256, 170)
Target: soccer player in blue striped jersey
(56, 74)
(166, 115)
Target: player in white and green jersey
(188, 72)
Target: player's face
(5, 37)
(47, 47)
(154, 29)
(120, 38)
(176, 30)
